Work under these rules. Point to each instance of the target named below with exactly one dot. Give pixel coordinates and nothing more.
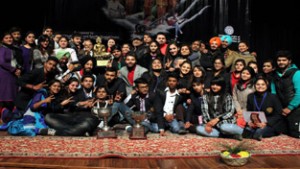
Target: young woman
(218, 69)
(240, 92)
(171, 54)
(268, 72)
(42, 52)
(185, 78)
(10, 70)
(184, 54)
(156, 76)
(235, 75)
(33, 120)
(254, 66)
(262, 100)
(110, 42)
(218, 112)
(27, 51)
(154, 53)
(199, 72)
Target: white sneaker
(101, 125)
(51, 131)
(128, 128)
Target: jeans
(124, 110)
(152, 127)
(174, 125)
(229, 129)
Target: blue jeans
(229, 129)
(124, 110)
(174, 126)
(152, 127)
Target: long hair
(241, 82)
(220, 81)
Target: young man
(112, 82)
(287, 88)
(162, 40)
(169, 103)
(34, 81)
(131, 72)
(145, 101)
(114, 86)
(194, 114)
(17, 37)
(83, 100)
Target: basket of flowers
(235, 155)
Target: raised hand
(118, 96)
(67, 101)
(39, 86)
(49, 99)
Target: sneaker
(51, 131)
(238, 137)
(87, 134)
(101, 125)
(258, 138)
(128, 128)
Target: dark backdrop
(268, 27)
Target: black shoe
(258, 138)
(43, 131)
(47, 132)
(238, 137)
(182, 131)
(247, 133)
(120, 126)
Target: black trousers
(72, 124)
(293, 120)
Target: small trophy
(138, 131)
(104, 113)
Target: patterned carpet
(170, 146)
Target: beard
(63, 66)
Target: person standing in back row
(287, 88)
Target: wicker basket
(234, 161)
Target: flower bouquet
(235, 155)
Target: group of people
(50, 86)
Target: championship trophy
(138, 131)
(104, 113)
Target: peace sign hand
(67, 101)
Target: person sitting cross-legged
(144, 100)
(218, 112)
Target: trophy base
(138, 134)
(106, 134)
